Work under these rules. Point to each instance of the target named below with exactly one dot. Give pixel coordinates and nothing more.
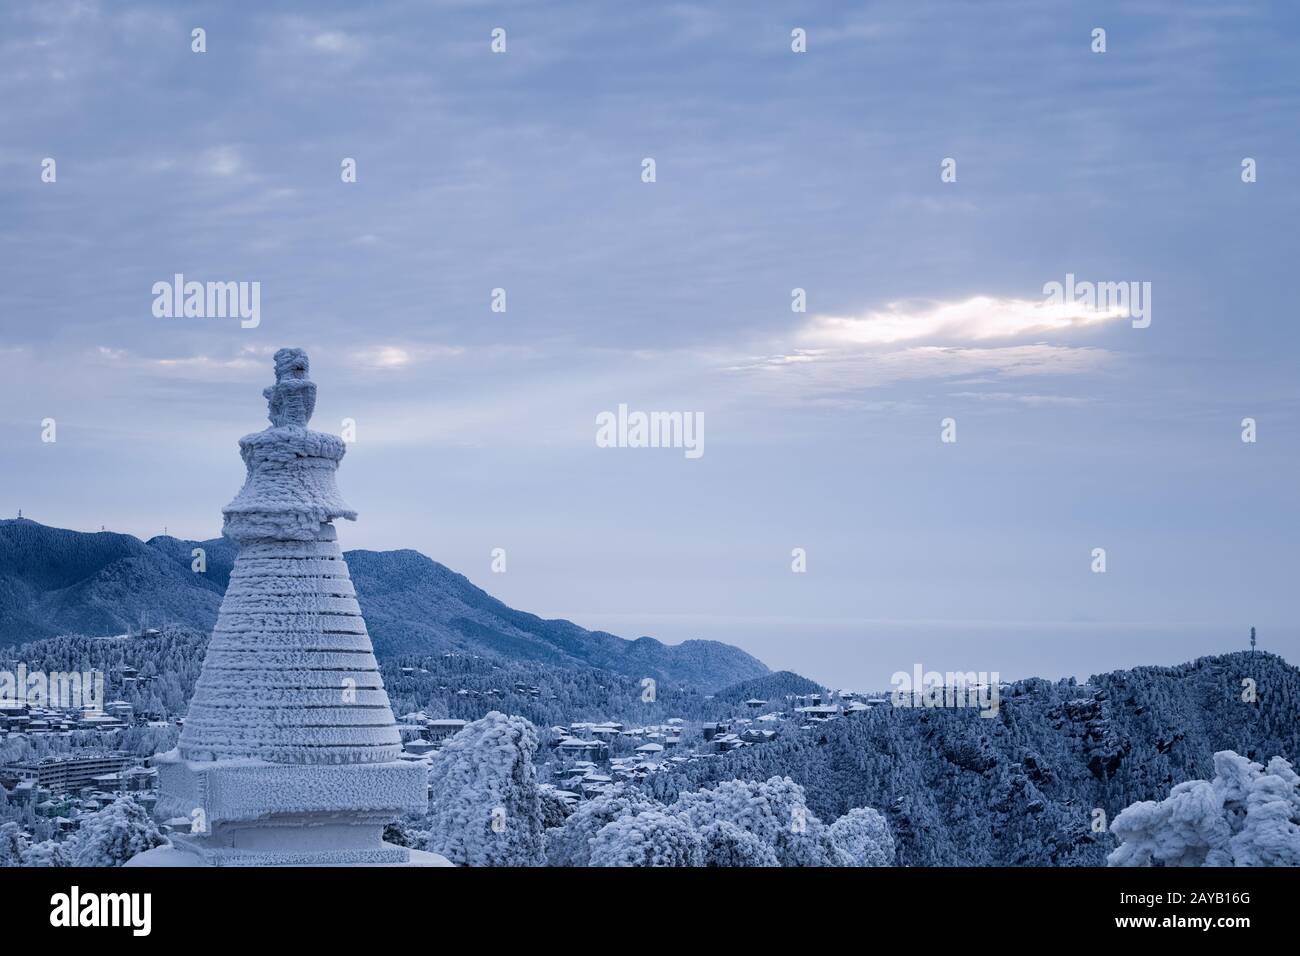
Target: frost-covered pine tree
(116, 833)
(1248, 815)
(726, 844)
(570, 845)
(50, 853)
(554, 808)
(484, 809)
(649, 838)
(775, 811)
(13, 842)
(863, 836)
(406, 832)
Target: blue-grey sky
(775, 170)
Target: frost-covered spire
(290, 753)
(290, 676)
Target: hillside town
(73, 767)
(583, 759)
(76, 763)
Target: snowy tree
(50, 853)
(13, 841)
(649, 838)
(555, 809)
(406, 832)
(570, 845)
(1248, 815)
(726, 844)
(774, 811)
(115, 834)
(862, 835)
(484, 810)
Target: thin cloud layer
(934, 341)
(819, 373)
(396, 357)
(977, 319)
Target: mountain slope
(218, 554)
(413, 603)
(54, 581)
(770, 687)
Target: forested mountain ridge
(412, 603)
(1020, 788)
(772, 688)
(54, 581)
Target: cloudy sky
(774, 171)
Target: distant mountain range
(54, 581)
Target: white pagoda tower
(290, 753)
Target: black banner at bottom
(336, 905)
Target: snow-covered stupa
(290, 753)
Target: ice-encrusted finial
(289, 490)
(292, 399)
